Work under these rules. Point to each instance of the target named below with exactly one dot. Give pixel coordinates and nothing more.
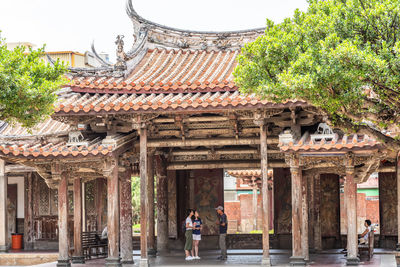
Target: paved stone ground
(330, 258)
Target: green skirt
(189, 239)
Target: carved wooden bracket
(142, 121)
(108, 166)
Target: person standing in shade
(197, 226)
(189, 235)
(223, 227)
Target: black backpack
(184, 227)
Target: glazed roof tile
(93, 147)
(346, 142)
(96, 103)
(47, 127)
(168, 70)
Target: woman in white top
(189, 235)
(364, 236)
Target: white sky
(73, 24)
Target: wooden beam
(19, 168)
(63, 247)
(387, 169)
(78, 252)
(195, 165)
(208, 142)
(191, 119)
(143, 197)
(184, 152)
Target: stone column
(265, 194)
(151, 240)
(126, 217)
(304, 218)
(28, 212)
(63, 248)
(350, 197)
(255, 188)
(162, 204)
(317, 218)
(78, 253)
(144, 209)
(3, 208)
(111, 173)
(297, 254)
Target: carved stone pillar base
(352, 261)
(144, 263)
(114, 262)
(127, 262)
(152, 252)
(398, 247)
(78, 259)
(266, 262)
(164, 252)
(63, 263)
(297, 261)
(3, 248)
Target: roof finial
(121, 56)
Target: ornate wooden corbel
(142, 121)
(108, 166)
(349, 163)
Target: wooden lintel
(208, 142)
(220, 151)
(223, 164)
(18, 168)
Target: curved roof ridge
(134, 15)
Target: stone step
(388, 260)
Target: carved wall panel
(208, 194)
(388, 203)
(283, 201)
(172, 205)
(330, 205)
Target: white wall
(20, 191)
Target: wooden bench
(369, 247)
(91, 246)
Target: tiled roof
(241, 173)
(169, 70)
(346, 142)
(46, 127)
(85, 103)
(61, 148)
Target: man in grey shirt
(223, 227)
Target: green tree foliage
(135, 185)
(27, 85)
(342, 56)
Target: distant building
(71, 58)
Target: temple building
(169, 110)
